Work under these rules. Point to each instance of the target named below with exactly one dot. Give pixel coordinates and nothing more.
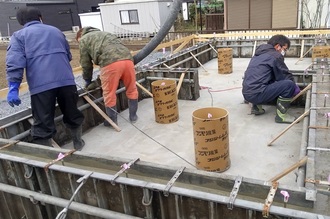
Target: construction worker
(116, 62)
(44, 53)
(267, 78)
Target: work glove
(94, 84)
(87, 82)
(12, 97)
(296, 91)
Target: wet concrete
(173, 144)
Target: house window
(129, 17)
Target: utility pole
(200, 15)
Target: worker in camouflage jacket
(116, 63)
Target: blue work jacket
(265, 67)
(43, 51)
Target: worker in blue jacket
(44, 53)
(267, 78)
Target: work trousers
(110, 77)
(43, 111)
(283, 88)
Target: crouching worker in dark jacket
(267, 78)
(116, 62)
(44, 53)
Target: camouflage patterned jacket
(101, 48)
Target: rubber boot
(257, 110)
(112, 113)
(282, 107)
(43, 141)
(78, 142)
(133, 106)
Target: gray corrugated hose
(147, 49)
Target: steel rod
(304, 142)
(82, 208)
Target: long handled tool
(288, 170)
(105, 116)
(292, 124)
(181, 80)
(302, 92)
(144, 89)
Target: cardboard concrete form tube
(211, 139)
(165, 101)
(105, 116)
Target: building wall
(62, 16)
(8, 25)
(164, 11)
(53, 14)
(151, 15)
(238, 14)
(285, 17)
(261, 14)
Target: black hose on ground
(147, 49)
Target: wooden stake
(166, 66)
(302, 92)
(301, 51)
(105, 116)
(181, 80)
(293, 123)
(144, 89)
(9, 144)
(198, 61)
(213, 48)
(254, 48)
(288, 170)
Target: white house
(134, 16)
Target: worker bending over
(267, 78)
(43, 51)
(116, 62)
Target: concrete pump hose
(147, 49)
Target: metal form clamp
(233, 194)
(269, 200)
(172, 181)
(82, 180)
(124, 167)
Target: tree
(313, 16)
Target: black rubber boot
(43, 141)
(282, 107)
(133, 106)
(78, 142)
(257, 110)
(112, 113)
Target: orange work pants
(111, 75)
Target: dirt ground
(3, 81)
